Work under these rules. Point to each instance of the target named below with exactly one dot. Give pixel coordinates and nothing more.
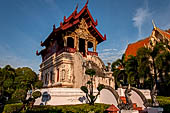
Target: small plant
(88, 90)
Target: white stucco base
(62, 96)
(129, 111)
(154, 109)
(70, 96)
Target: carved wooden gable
(83, 31)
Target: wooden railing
(69, 50)
(65, 49)
(92, 53)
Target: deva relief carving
(66, 73)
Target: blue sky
(24, 23)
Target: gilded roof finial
(154, 26)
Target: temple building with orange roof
(157, 35)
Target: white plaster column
(55, 75)
(77, 44)
(86, 48)
(94, 46)
(65, 41)
(49, 78)
(40, 75)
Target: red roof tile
(132, 48)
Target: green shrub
(19, 94)
(165, 103)
(36, 94)
(83, 108)
(11, 108)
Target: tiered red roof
(74, 19)
(132, 48)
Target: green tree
(26, 80)
(15, 83)
(89, 92)
(162, 63)
(144, 68)
(153, 63)
(119, 72)
(7, 77)
(131, 68)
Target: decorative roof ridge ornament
(54, 27)
(104, 37)
(64, 18)
(61, 24)
(86, 3)
(75, 11)
(96, 23)
(76, 7)
(41, 43)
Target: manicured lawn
(165, 103)
(83, 108)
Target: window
(90, 46)
(57, 75)
(46, 77)
(70, 42)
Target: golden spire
(154, 26)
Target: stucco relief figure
(68, 75)
(63, 75)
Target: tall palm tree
(132, 72)
(154, 55)
(162, 63)
(143, 59)
(149, 60)
(118, 68)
